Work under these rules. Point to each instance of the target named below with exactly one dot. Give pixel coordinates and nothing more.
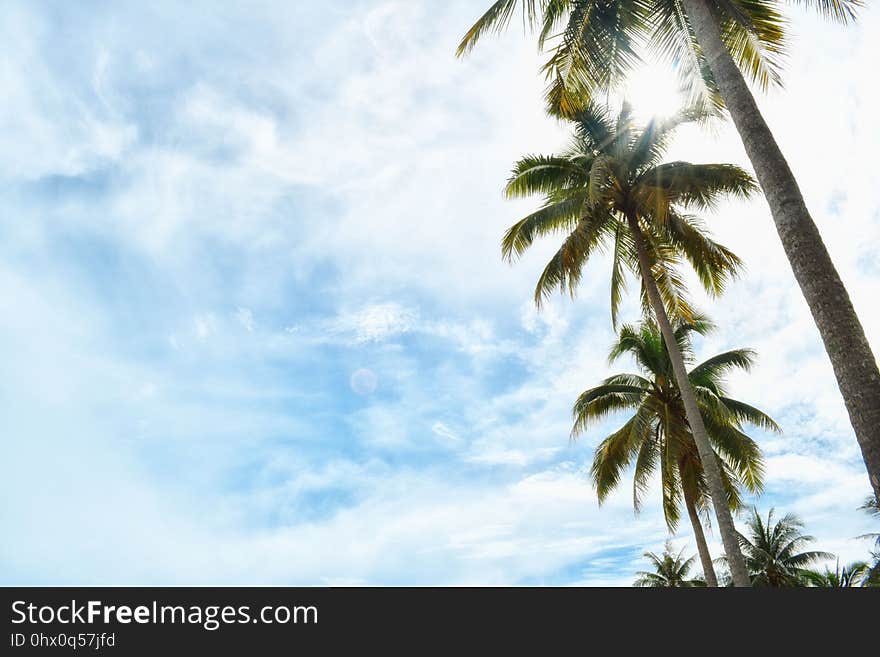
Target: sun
(653, 91)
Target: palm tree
(773, 550)
(851, 576)
(872, 507)
(713, 45)
(670, 571)
(611, 189)
(658, 432)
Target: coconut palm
(670, 571)
(851, 576)
(658, 434)
(872, 507)
(773, 550)
(610, 189)
(715, 45)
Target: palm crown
(774, 551)
(612, 181)
(851, 576)
(670, 571)
(658, 435)
(594, 44)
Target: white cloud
(375, 322)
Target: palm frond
(616, 452)
(564, 270)
(699, 185)
(545, 174)
(495, 20)
(712, 369)
(746, 414)
(842, 11)
(597, 403)
(553, 218)
(714, 264)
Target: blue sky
(255, 327)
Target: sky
(255, 327)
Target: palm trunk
(702, 547)
(695, 420)
(854, 364)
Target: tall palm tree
(611, 189)
(670, 571)
(658, 432)
(715, 45)
(773, 550)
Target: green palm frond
(616, 452)
(670, 485)
(670, 284)
(594, 128)
(563, 272)
(712, 369)
(871, 506)
(543, 174)
(746, 414)
(651, 145)
(754, 33)
(555, 12)
(597, 403)
(632, 380)
(618, 272)
(698, 185)
(645, 345)
(739, 452)
(554, 217)
(672, 40)
(649, 454)
(495, 20)
(699, 324)
(714, 264)
(596, 50)
(842, 11)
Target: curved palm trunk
(702, 547)
(695, 420)
(854, 364)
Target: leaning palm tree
(670, 571)
(657, 436)
(715, 45)
(611, 189)
(773, 550)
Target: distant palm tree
(670, 571)
(714, 45)
(773, 550)
(872, 507)
(851, 576)
(611, 190)
(658, 433)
